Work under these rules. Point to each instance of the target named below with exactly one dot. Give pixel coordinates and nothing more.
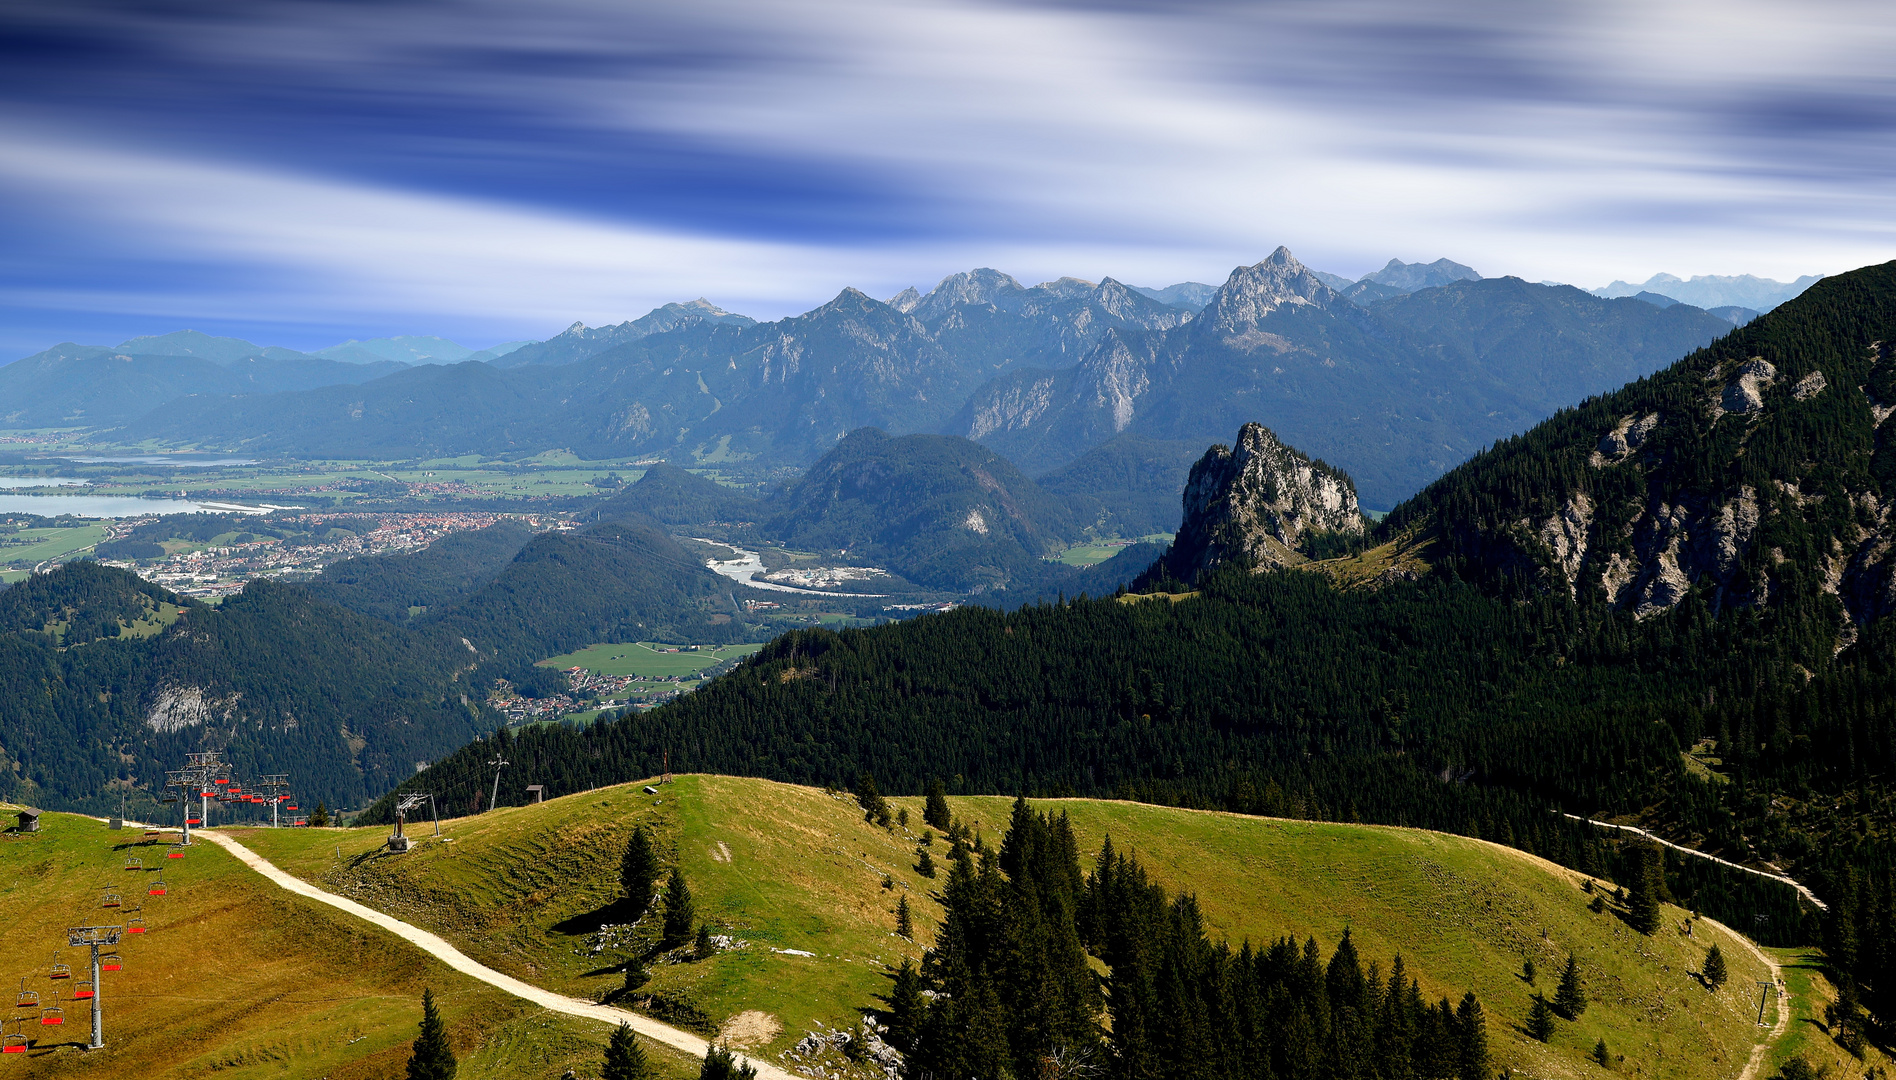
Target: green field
(1094, 554)
(44, 544)
(644, 659)
(784, 867)
(237, 978)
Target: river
(749, 564)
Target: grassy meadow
(237, 978)
(643, 658)
(792, 870)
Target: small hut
(536, 793)
(29, 820)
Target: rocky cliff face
(1255, 502)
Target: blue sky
(299, 173)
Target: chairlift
(28, 999)
(59, 971)
(193, 821)
(176, 851)
(220, 780)
(289, 808)
(111, 962)
(157, 888)
(82, 990)
(14, 1042)
(110, 900)
(135, 926)
(52, 1015)
(134, 862)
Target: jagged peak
(906, 300)
(1255, 501)
(1252, 292)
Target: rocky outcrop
(1255, 502)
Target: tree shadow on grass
(618, 913)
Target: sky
(299, 173)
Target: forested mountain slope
(669, 494)
(403, 586)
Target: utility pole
(497, 764)
(95, 936)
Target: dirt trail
(1791, 881)
(1783, 1001)
(459, 961)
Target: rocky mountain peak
(1253, 292)
(905, 300)
(981, 286)
(1256, 501)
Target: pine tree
(1570, 997)
(1527, 970)
(319, 819)
(638, 871)
(925, 866)
(432, 1059)
(720, 1064)
(636, 976)
(1473, 1031)
(935, 809)
(874, 806)
(680, 914)
(1540, 1019)
(625, 1058)
(1600, 1056)
(1715, 973)
(904, 926)
(702, 946)
(1642, 902)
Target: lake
(164, 459)
(100, 506)
(39, 481)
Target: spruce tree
(1642, 902)
(638, 871)
(1715, 973)
(625, 1058)
(935, 809)
(721, 1064)
(1600, 1055)
(680, 914)
(1540, 1019)
(702, 946)
(904, 925)
(906, 1007)
(925, 865)
(636, 976)
(319, 819)
(432, 1059)
(1570, 997)
(1527, 970)
(1473, 1031)
(874, 806)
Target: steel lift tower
(273, 785)
(399, 841)
(92, 937)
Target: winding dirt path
(1783, 1001)
(459, 961)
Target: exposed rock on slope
(1754, 473)
(1256, 502)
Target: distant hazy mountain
(93, 385)
(580, 341)
(1410, 277)
(1711, 291)
(1737, 316)
(1190, 295)
(218, 350)
(1395, 393)
(413, 349)
(988, 320)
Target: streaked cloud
(494, 168)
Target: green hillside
(793, 868)
(237, 978)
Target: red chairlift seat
(220, 781)
(135, 926)
(110, 899)
(16, 1043)
(82, 990)
(176, 851)
(134, 862)
(193, 821)
(28, 999)
(289, 808)
(52, 1015)
(60, 971)
(157, 888)
(111, 962)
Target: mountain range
(1394, 390)
(1713, 291)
